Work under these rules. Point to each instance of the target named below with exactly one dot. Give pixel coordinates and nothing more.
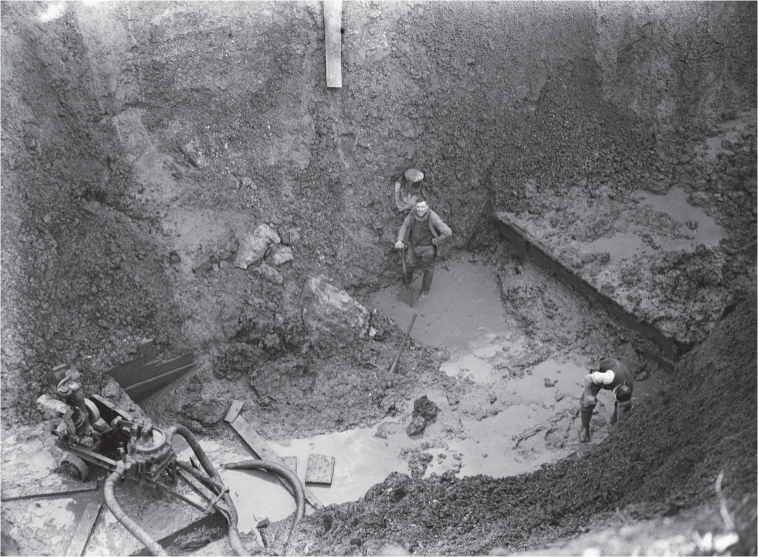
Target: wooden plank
(260, 447)
(333, 40)
(31, 492)
(320, 469)
(234, 411)
(139, 391)
(290, 462)
(154, 369)
(84, 529)
(139, 369)
(121, 372)
(179, 361)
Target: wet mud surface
(144, 142)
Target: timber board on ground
(140, 378)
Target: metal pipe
(287, 474)
(134, 529)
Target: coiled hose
(234, 536)
(287, 474)
(133, 528)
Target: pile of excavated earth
(178, 176)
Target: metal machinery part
(150, 450)
(74, 467)
(95, 431)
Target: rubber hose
(287, 474)
(234, 536)
(134, 529)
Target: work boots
(584, 433)
(426, 282)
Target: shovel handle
(405, 339)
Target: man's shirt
(603, 377)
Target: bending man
(614, 376)
(423, 231)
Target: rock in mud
(112, 389)
(268, 273)
(194, 155)
(253, 247)
(251, 250)
(289, 236)
(329, 311)
(424, 412)
(282, 255)
(425, 407)
(416, 427)
(207, 411)
(265, 231)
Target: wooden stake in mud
(405, 339)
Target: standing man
(614, 376)
(423, 231)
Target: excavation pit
(187, 172)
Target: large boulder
(330, 312)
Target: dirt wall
(139, 135)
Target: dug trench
(180, 173)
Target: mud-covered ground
(142, 142)
(665, 458)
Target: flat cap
(414, 175)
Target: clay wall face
(482, 95)
(498, 103)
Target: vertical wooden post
(333, 39)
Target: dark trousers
(423, 258)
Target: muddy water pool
(694, 227)
(509, 420)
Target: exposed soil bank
(143, 141)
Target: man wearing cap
(614, 376)
(423, 231)
(408, 189)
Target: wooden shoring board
(33, 492)
(291, 463)
(140, 370)
(140, 390)
(261, 448)
(333, 40)
(84, 529)
(121, 372)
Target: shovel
(407, 294)
(393, 369)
